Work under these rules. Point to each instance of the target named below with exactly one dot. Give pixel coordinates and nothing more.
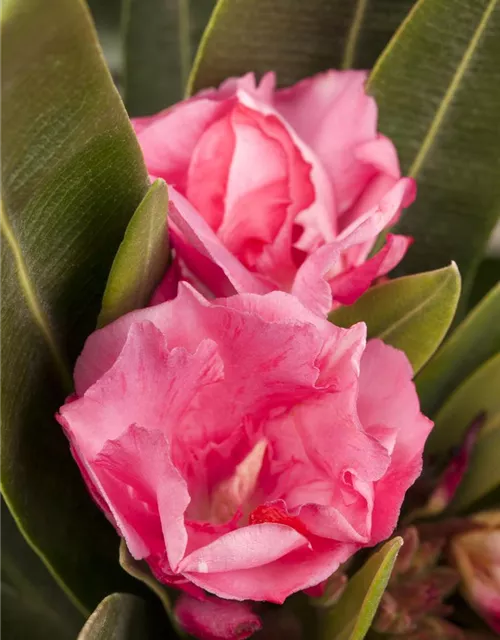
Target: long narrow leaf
(437, 89)
(141, 259)
(72, 176)
(471, 344)
(352, 616)
(477, 395)
(159, 39)
(411, 313)
(294, 38)
(120, 616)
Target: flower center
(231, 494)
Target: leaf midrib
(452, 89)
(39, 317)
(409, 314)
(450, 93)
(183, 24)
(353, 35)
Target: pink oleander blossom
(244, 446)
(279, 189)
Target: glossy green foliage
(482, 476)
(72, 176)
(473, 342)
(120, 616)
(159, 40)
(437, 89)
(477, 395)
(141, 259)
(353, 614)
(411, 313)
(294, 38)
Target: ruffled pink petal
(138, 478)
(348, 286)
(344, 118)
(318, 218)
(262, 90)
(312, 282)
(269, 184)
(209, 171)
(169, 138)
(167, 289)
(390, 400)
(337, 448)
(244, 548)
(147, 384)
(274, 582)
(197, 238)
(214, 619)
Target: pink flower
(279, 189)
(215, 619)
(477, 556)
(244, 446)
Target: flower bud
(477, 556)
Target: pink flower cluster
(280, 189)
(239, 442)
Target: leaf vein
(450, 92)
(353, 35)
(32, 302)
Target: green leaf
(72, 176)
(487, 276)
(471, 344)
(478, 394)
(294, 38)
(160, 37)
(353, 614)
(140, 570)
(482, 476)
(33, 605)
(411, 313)
(438, 101)
(120, 616)
(141, 259)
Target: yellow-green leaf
(478, 394)
(353, 614)
(475, 340)
(483, 471)
(140, 570)
(119, 616)
(141, 259)
(411, 313)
